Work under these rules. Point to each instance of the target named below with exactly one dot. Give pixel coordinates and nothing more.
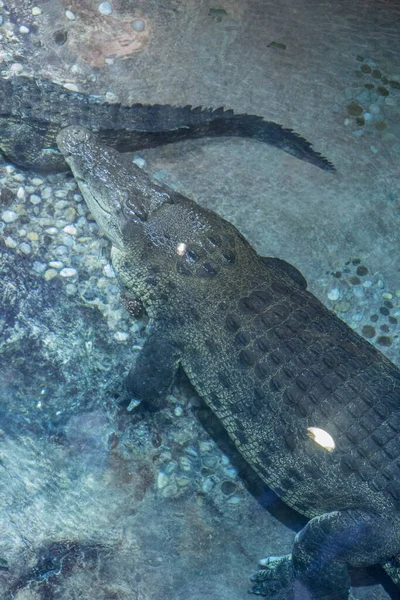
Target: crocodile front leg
(317, 568)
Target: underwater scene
(199, 300)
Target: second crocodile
(33, 110)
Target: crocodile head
(118, 194)
(161, 240)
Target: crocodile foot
(275, 579)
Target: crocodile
(33, 110)
(312, 406)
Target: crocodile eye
(134, 208)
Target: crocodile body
(32, 112)
(269, 359)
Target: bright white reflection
(321, 437)
(180, 249)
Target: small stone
(367, 116)
(56, 264)
(105, 8)
(374, 109)
(207, 485)
(37, 182)
(71, 289)
(60, 37)
(368, 331)
(384, 340)
(109, 271)
(178, 412)
(39, 267)
(121, 336)
(23, 29)
(10, 243)
(25, 248)
(138, 25)
(354, 109)
(61, 250)
(70, 214)
(9, 216)
(6, 197)
(362, 271)
(342, 306)
(36, 11)
(376, 74)
(33, 236)
(68, 272)
(357, 317)
(233, 500)
(366, 69)
(70, 15)
(382, 91)
(72, 87)
(170, 491)
(70, 229)
(21, 193)
(185, 464)
(35, 199)
(16, 68)
(50, 274)
(162, 480)
(182, 481)
(387, 296)
(231, 472)
(334, 294)
(394, 84)
(380, 125)
(139, 162)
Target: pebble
(51, 230)
(105, 8)
(121, 336)
(207, 485)
(334, 294)
(70, 15)
(23, 29)
(9, 216)
(139, 162)
(50, 274)
(71, 289)
(33, 236)
(72, 87)
(231, 472)
(178, 412)
(39, 267)
(16, 68)
(342, 306)
(70, 229)
(36, 11)
(56, 264)
(21, 193)
(36, 181)
(10, 243)
(185, 463)
(162, 480)
(68, 272)
(374, 109)
(182, 481)
(34, 199)
(109, 271)
(233, 500)
(138, 25)
(170, 491)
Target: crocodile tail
(268, 132)
(392, 568)
(148, 126)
